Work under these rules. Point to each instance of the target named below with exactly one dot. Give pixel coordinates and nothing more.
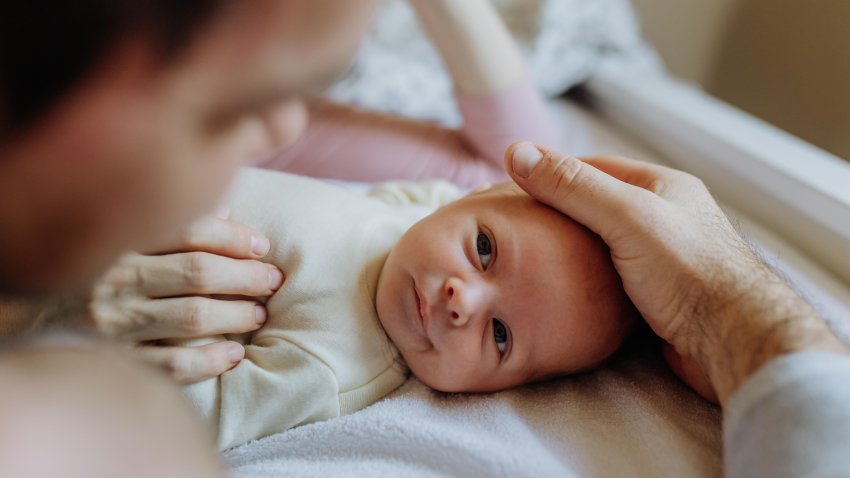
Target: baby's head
(496, 290)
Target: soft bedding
(629, 418)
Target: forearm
(754, 319)
(477, 49)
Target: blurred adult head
(120, 120)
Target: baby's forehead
(506, 189)
(509, 200)
(498, 195)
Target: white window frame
(798, 190)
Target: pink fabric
(343, 142)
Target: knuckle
(258, 278)
(197, 269)
(122, 320)
(213, 358)
(241, 239)
(102, 318)
(180, 365)
(564, 172)
(123, 275)
(198, 314)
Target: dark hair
(48, 46)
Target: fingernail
(259, 245)
(235, 353)
(260, 314)
(525, 158)
(275, 278)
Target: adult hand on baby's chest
(211, 283)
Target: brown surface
(786, 61)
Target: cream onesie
(322, 351)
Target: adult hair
(48, 46)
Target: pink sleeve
(492, 123)
(342, 142)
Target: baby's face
(496, 290)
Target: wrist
(752, 320)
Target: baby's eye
(500, 335)
(485, 249)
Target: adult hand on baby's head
(696, 282)
(148, 298)
(667, 235)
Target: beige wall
(787, 61)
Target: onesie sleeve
(277, 386)
(428, 194)
(791, 418)
(491, 123)
(344, 142)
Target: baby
(490, 291)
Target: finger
(601, 202)
(187, 317)
(223, 237)
(666, 182)
(194, 364)
(632, 171)
(195, 273)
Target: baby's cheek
(430, 371)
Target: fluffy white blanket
(629, 419)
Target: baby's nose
(463, 299)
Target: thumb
(577, 189)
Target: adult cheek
(187, 183)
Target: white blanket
(629, 419)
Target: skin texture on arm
(693, 278)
